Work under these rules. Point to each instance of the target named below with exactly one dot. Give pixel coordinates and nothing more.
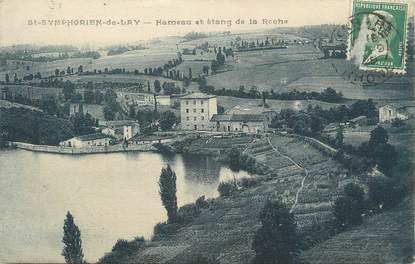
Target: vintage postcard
(207, 132)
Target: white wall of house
(77, 143)
(197, 112)
(388, 113)
(236, 126)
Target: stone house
(245, 123)
(90, 140)
(122, 129)
(196, 111)
(388, 113)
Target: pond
(111, 196)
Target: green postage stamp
(378, 35)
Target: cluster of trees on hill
(194, 35)
(36, 55)
(327, 95)
(123, 49)
(313, 120)
(24, 125)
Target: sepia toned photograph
(207, 132)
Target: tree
(348, 208)
(157, 86)
(384, 193)
(72, 250)
(276, 240)
(109, 114)
(378, 136)
(234, 158)
(220, 58)
(385, 157)
(167, 184)
(205, 69)
(339, 138)
(68, 90)
(167, 120)
(397, 122)
(190, 74)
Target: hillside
(383, 238)
(301, 176)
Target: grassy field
(159, 54)
(229, 102)
(300, 67)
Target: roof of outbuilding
(92, 137)
(357, 118)
(238, 118)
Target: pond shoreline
(80, 151)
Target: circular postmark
(363, 40)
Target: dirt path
(298, 166)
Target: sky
(16, 16)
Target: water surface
(111, 196)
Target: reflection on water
(111, 196)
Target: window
(187, 110)
(194, 110)
(202, 117)
(187, 102)
(201, 102)
(194, 102)
(194, 118)
(187, 118)
(202, 110)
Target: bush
(248, 182)
(187, 213)
(122, 249)
(163, 148)
(128, 247)
(162, 230)
(201, 203)
(385, 193)
(226, 189)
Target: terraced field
(305, 179)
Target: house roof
(357, 118)
(198, 96)
(221, 118)
(248, 109)
(238, 118)
(388, 107)
(118, 123)
(92, 137)
(150, 137)
(248, 117)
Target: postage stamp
(378, 35)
